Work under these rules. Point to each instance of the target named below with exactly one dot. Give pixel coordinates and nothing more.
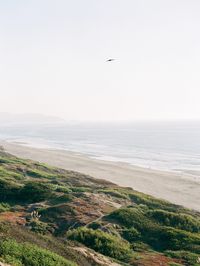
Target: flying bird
(110, 60)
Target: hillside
(53, 217)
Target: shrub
(164, 238)
(102, 242)
(131, 235)
(181, 221)
(40, 227)
(189, 257)
(80, 189)
(9, 174)
(8, 191)
(63, 189)
(6, 160)
(35, 192)
(114, 193)
(61, 199)
(57, 213)
(157, 236)
(39, 174)
(94, 225)
(30, 255)
(129, 217)
(152, 202)
(4, 207)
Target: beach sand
(180, 188)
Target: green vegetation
(104, 243)
(35, 192)
(189, 257)
(130, 217)
(29, 255)
(158, 237)
(63, 189)
(151, 202)
(180, 221)
(131, 235)
(5, 173)
(80, 189)
(30, 192)
(48, 214)
(40, 227)
(4, 207)
(39, 174)
(61, 199)
(8, 191)
(115, 193)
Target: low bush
(157, 236)
(9, 191)
(131, 235)
(152, 202)
(102, 242)
(9, 174)
(189, 257)
(35, 173)
(129, 217)
(114, 193)
(62, 189)
(61, 199)
(30, 255)
(40, 227)
(80, 189)
(180, 221)
(4, 207)
(164, 238)
(35, 192)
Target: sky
(53, 59)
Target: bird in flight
(110, 60)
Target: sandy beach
(179, 188)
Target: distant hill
(54, 217)
(26, 119)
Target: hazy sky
(53, 53)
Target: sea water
(173, 146)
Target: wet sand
(179, 188)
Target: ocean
(171, 146)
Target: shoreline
(95, 157)
(179, 188)
(192, 172)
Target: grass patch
(114, 193)
(29, 255)
(35, 173)
(9, 174)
